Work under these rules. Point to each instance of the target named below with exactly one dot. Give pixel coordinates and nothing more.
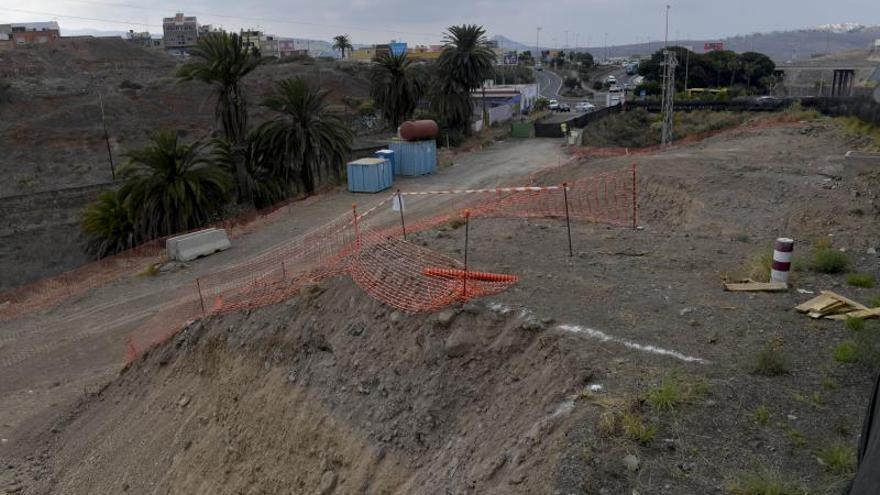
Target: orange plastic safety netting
(369, 246)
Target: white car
(554, 105)
(584, 106)
(611, 80)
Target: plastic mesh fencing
(368, 245)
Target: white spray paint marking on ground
(525, 313)
(604, 337)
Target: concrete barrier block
(188, 247)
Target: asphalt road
(549, 84)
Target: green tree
(306, 142)
(171, 187)
(222, 60)
(466, 61)
(107, 226)
(571, 82)
(342, 42)
(395, 86)
(756, 67)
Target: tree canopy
(715, 69)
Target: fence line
(369, 247)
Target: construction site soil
(559, 385)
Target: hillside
(781, 46)
(52, 136)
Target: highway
(549, 84)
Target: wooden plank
(756, 287)
(815, 303)
(852, 303)
(859, 314)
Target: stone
(396, 317)
(686, 311)
(184, 400)
(532, 325)
(871, 250)
(459, 343)
(328, 483)
(471, 308)
(445, 317)
(631, 462)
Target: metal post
(357, 232)
(201, 299)
(567, 219)
(400, 205)
(635, 199)
(283, 270)
(107, 137)
(467, 223)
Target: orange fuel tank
(419, 130)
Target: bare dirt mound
(331, 393)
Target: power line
(82, 18)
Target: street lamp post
(537, 46)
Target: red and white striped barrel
(782, 252)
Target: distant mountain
(95, 32)
(781, 46)
(506, 44)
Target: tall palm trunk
(234, 122)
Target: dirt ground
(549, 387)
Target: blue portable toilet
(369, 175)
(388, 155)
(412, 158)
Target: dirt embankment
(700, 388)
(331, 392)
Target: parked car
(611, 80)
(769, 101)
(554, 105)
(584, 106)
(563, 107)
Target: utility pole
(537, 46)
(107, 137)
(606, 48)
(669, 63)
(566, 40)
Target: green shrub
(855, 324)
(846, 352)
(770, 362)
(635, 428)
(827, 260)
(838, 458)
(863, 280)
(762, 415)
(764, 483)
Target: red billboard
(713, 47)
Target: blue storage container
(388, 155)
(369, 175)
(413, 158)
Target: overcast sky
(417, 22)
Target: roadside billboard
(713, 47)
(510, 58)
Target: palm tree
(171, 187)
(304, 139)
(466, 61)
(395, 86)
(342, 42)
(107, 225)
(222, 60)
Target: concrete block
(188, 247)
